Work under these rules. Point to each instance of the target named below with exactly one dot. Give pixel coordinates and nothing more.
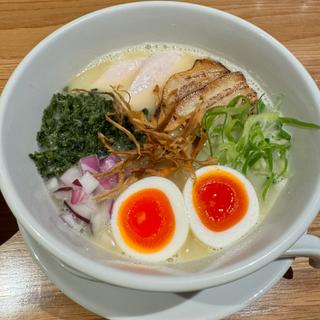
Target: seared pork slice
(183, 83)
(217, 92)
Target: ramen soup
(163, 153)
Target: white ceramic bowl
(52, 63)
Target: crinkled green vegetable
(247, 137)
(69, 131)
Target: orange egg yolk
(146, 221)
(220, 200)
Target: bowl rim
(146, 281)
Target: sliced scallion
(256, 140)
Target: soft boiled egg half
(149, 220)
(222, 205)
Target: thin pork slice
(219, 92)
(119, 74)
(184, 83)
(145, 88)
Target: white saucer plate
(117, 303)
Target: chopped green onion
(260, 105)
(254, 142)
(296, 122)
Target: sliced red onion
(70, 175)
(88, 182)
(63, 188)
(80, 210)
(108, 162)
(76, 184)
(53, 184)
(109, 182)
(77, 196)
(90, 164)
(63, 193)
(78, 190)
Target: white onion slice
(88, 182)
(53, 184)
(70, 175)
(80, 186)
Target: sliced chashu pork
(217, 92)
(120, 74)
(154, 73)
(183, 83)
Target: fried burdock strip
(161, 154)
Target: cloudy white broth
(163, 153)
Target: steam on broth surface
(163, 152)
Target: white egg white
(221, 239)
(175, 198)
